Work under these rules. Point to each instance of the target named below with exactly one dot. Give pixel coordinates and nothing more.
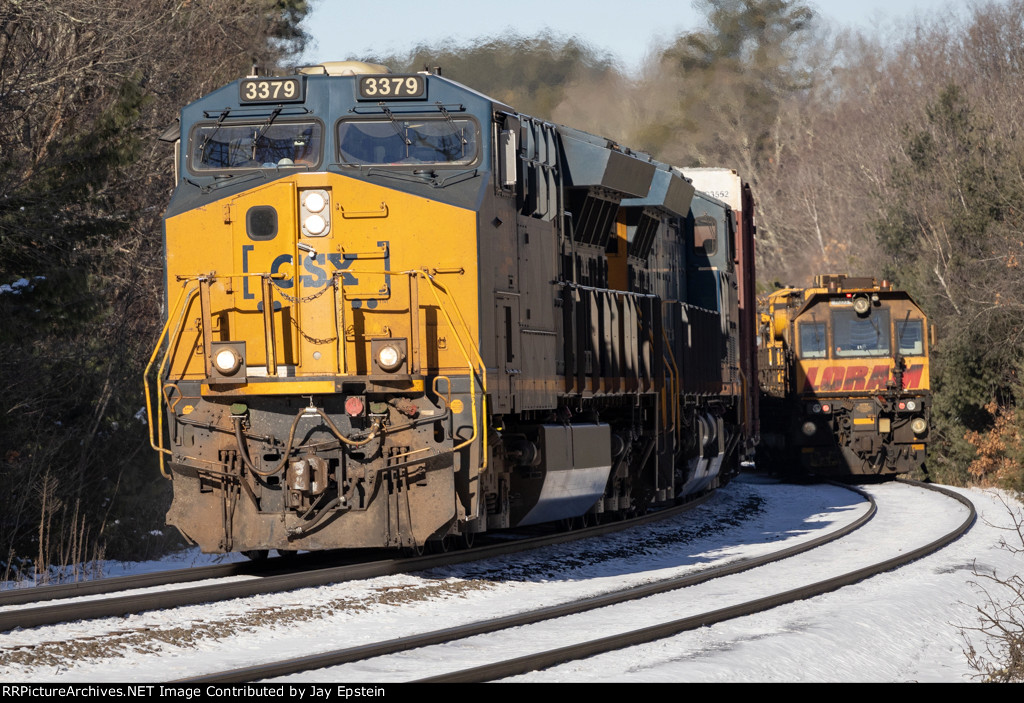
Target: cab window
(812, 340)
(423, 140)
(855, 336)
(911, 334)
(224, 147)
(705, 235)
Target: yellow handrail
(449, 308)
(157, 442)
(473, 371)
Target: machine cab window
(911, 333)
(857, 336)
(813, 344)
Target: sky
(901, 626)
(343, 29)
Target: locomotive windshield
(812, 340)
(219, 147)
(449, 142)
(911, 337)
(860, 336)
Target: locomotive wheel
(440, 546)
(256, 554)
(415, 551)
(288, 554)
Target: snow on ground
(902, 626)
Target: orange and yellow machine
(843, 372)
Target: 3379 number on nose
(271, 90)
(389, 87)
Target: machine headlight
(911, 405)
(919, 425)
(389, 357)
(809, 428)
(861, 306)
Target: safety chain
(306, 299)
(314, 296)
(312, 340)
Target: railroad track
(504, 668)
(259, 578)
(308, 620)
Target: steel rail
(136, 603)
(544, 660)
(352, 654)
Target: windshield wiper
(206, 140)
(448, 118)
(394, 123)
(903, 327)
(262, 130)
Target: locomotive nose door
(262, 231)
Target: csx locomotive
(844, 376)
(399, 311)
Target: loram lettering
(831, 379)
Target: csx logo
(858, 378)
(313, 271)
(316, 276)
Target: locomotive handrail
(158, 445)
(179, 309)
(624, 293)
(482, 370)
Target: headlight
(315, 202)
(315, 225)
(809, 428)
(861, 306)
(919, 425)
(315, 212)
(227, 361)
(389, 357)
(911, 405)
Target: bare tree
(86, 87)
(995, 646)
